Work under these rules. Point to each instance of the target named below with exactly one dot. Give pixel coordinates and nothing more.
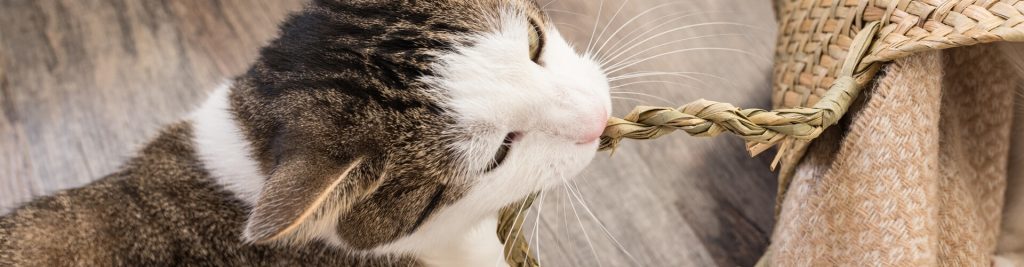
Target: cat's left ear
(296, 189)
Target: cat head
(380, 124)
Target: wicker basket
(827, 51)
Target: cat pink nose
(593, 127)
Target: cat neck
(223, 148)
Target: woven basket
(827, 51)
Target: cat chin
(463, 233)
(474, 245)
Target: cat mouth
(589, 140)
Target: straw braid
(705, 118)
(761, 129)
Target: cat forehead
(529, 8)
(472, 14)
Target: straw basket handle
(761, 129)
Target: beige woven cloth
(915, 175)
(1011, 241)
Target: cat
(369, 133)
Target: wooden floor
(84, 82)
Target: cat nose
(593, 126)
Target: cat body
(162, 208)
(370, 133)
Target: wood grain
(84, 82)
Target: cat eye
(536, 41)
(499, 156)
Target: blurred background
(83, 83)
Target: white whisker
(567, 26)
(620, 67)
(545, 6)
(690, 74)
(642, 74)
(654, 81)
(627, 98)
(507, 236)
(664, 21)
(647, 95)
(563, 11)
(586, 207)
(536, 226)
(597, 19)
(580, 221)
(609, 23)
(641, 52)
(630, 21)
(565, 221)
(652, 37)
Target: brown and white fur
(372, 132)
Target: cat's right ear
(296, 189)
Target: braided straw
(761, 129)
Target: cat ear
(295, 190)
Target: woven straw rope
(827, 51)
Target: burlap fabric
(1011, 242)
(915, 177)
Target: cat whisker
(568, 26)
(620, 67)
(679, 74)
(565, 222)
(689, 75)
(619, 45)
(579, 197)
(630, 38)
(676, 29)
(597, 19)
(563, 11)
(536, 227)
(627, 98)
(631, 20)
(647, 95)
(652, 48)
(545, 6)
(686, 85)
(609, 23)
(519, 231)
(640, 15)
(565, 185)
(509, 235)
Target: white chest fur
(479, 247)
